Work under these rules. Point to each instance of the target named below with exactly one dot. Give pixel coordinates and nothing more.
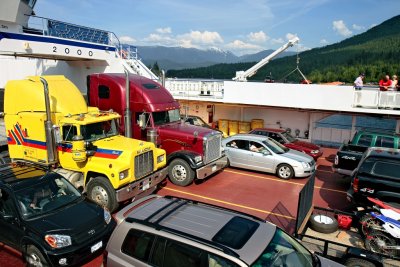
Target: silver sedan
(260, 153)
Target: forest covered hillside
(374, 52)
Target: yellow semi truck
(49, 123)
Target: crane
(242, 76)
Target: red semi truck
(152, 114)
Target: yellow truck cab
(49, 123)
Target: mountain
(374, 52)
(181, 58)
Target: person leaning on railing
(395, 84)
(385, 83)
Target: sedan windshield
(284, 250)
(46, 196)
(289, 137)
(275, 146)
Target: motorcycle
(381, 229)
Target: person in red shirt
(385, 83)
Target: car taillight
(355, 184)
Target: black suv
(48, 220)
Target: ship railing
(195, 88)
(372, 97)
(55, 28)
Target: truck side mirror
(142, 121)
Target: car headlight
(107, 216)
(198, 159)
(58, 241)
(160, 158)
(305, 165)
(314, 151)
(123, 174)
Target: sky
(239, 26)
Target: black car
(46, 218)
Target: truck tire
(323, 223)
(358, 262)
(180, 173)
(377, 240)
(284, 171)
(100, 190)
(34, 257)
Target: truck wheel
(100, 190)
(180, 173)
(284, 171)
(358, 262)
(377, 241)
(34, 257)
(323, 223)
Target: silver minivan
(261, 153)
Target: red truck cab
(192, 151)
(283, 137)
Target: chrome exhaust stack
(48, 127)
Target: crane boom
(242, 76)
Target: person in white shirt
(358, 83)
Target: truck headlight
(305, 165)
(123, 174)
(107, 216)
(198, 159)
(160, 158)
(58, 241)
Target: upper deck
(319, 97)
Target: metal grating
(144, 164)
(212, 148)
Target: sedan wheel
(285, 171)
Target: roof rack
(218, 207)
(179, 202)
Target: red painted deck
(259, 194)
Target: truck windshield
(46, 196)
(284, 250)
(168, 116)
(99, 130)
(275, 146)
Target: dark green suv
(46, 218)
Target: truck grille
(144, 164)
(212, 148)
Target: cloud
(341, 28)
(238, 44)
(127, 40)
(323, 41)
(277, 41)
(257, 37)
(164, 30)
(196, 38)
(290, 36)
(357, 27)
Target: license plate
(96, 246)
(146, 185)
(214, 168)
